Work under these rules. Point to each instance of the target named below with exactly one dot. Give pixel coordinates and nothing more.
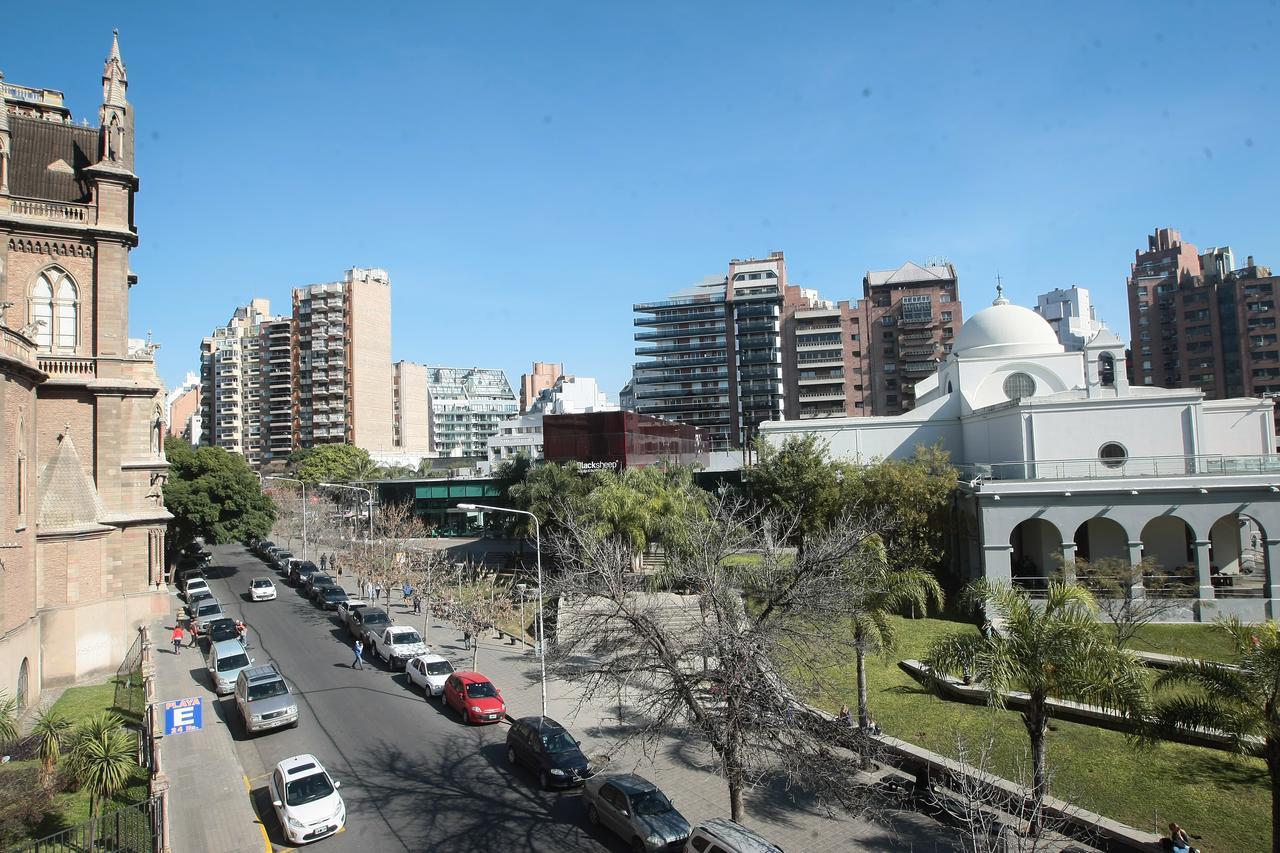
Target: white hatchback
(262, 589)
(306, 799)
(430, 673)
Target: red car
(474, 698)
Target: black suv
(301, 572)
(547, 748)
(367, 620)
(317, 583)
(330, 597)
(219, 630)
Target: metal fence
(129, 677)
(132, 829)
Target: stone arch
(1101, 538)
(22, 695)
(1036, 550)
(1169, 542)
(53, 300)
(1238, 554)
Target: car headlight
(556, 771)
(475, 709)
(296, 824)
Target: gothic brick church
(82, 517)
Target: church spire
(114, 79)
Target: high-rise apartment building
(412, 428)
(1070, 314)
(231, 382)
(543, 376)
(1197, 321)
(181, 404)
(467, 405)
(714, 352)
(275, 388)
(865, 357)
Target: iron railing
(1137, 466)
(129, 677)
(132, 829)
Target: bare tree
(430, 572)
(725, 664)
(1131, 595)
(478, 606)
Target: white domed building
(1060, 458)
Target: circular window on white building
(1019, 385)
(1113, 455)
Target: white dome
(1005, 330)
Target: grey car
(206, 612)
(633, 808)
(264, 700)
(225, 661)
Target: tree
(212, 493)
(1052, 649)
(1241, 699)
(796, 480)
(549, 491)
(101, 759)
(51, 730)
(334, 463)
(8, 719)
(708, 665)
(1116, 584)
(917, 494)
(480, 605)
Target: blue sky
(528, 171)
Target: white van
(721, 835)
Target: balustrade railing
(77, 213)
(67, 367)
(1136, 466)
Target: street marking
(266, 839)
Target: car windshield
(335, 593)
(406, 637)
(559, 742)
(308, 789)
(321, 580)
(267, 689)
(206, 609)
(261, 582)
(374, 617)
(236, 661)
(222, 629)
(440, 667)
(650, 803)
(481, 690)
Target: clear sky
(527, 171)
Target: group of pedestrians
(329, 563)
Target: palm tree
(8, 719)
(102, 758)
(51, 728)
(1050, 649)
(365, 470)
(1241, 700)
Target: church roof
(909, 272)
(39, 144)
(68, 499)
(1006, 330)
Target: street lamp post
(537, 537)
(302, 483)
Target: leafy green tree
(212, 493)
(1241, 699)
(1050, 649)
(796, 480)
(645, 505)
(334, 463)
(916, 493)
(8, 719)
(101, 759)
(550, 490)
(51, 730)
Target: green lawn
(1200, 641)
(1223, 799)
(71, 807)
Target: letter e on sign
(182, 715)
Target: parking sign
(182, 715)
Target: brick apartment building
(1197, 321)
(81, 408)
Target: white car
(429, 672)
(306, 799)
(195, 585)
(346, 607)
(262, 589)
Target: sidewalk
(679, 768)
(208, 802)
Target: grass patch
(1191, 640)
(1222, 799)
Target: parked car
(430, 673)
(331, 597)
(260, 547)
(287, 571)
(474, 698)
(194, 561)
(206, 612)
(396, 644)
(264, 699)
(633, 808)
(546, 748)
(193, 549)
(199, 596)
(225, 660)
(280, 558)
(180, 576)
(220, 629)
(317, 581)
(300, 573)
(306, 800)
(194, 584)
(262, 589)
(346, 608)
(720, 833)
(365, 620)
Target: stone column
(1069, 562)
(1273, 565)
(997, 563)
(1204, 570)
(1135, 557)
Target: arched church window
(1019, 385)
(1107, 370)
(55, 307)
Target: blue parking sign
(182, 715)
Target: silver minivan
(722, 835)
(264, 699)
(226, 659)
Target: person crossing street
(358, 663)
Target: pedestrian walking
(466, 638)
(177, 638)
(358, 663)
(195, 633)
(405, 592)
(324, 563)
(243, 633)
(377, 592)
(417, 603)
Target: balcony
(748, 388)
(654, 378)
(707, 346)
(828, 358)
(747, 311)
(815, 328)
(712, 312)
(917, 319)
(75, 214)
(657, 393)
(749, 341)
(760, 357)
(821, 412)
(823, 394)
(918, 367)
(699, 330)
(66, 368)
(685, 361)
(757, 324)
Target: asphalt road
(413, 776)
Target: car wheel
(511, 755)
(593, 816)
(637, 846)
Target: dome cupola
(1005, 330)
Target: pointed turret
(115, 116)
(4, 141)
(115, 81)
